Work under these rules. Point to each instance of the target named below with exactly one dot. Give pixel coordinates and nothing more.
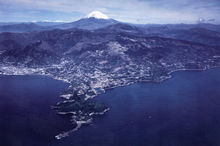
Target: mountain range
(116, 42)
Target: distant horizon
(130, 11)
(60, 21)
(46, 21)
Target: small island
(81, 110)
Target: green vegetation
(85, 106)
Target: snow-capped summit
(97, 15)
(94, 20)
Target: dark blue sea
(183, 110)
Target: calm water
(26, 118)
(184, 110)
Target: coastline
(80, 123)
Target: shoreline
(80, 123)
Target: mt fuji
(94, 20)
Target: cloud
(59, 21)
(34, 12)
(211, 20)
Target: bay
(183, 110)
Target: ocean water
(183, 110)
(26, 116)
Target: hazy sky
(134, 11)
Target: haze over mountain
(95, 20)
(92, 21)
